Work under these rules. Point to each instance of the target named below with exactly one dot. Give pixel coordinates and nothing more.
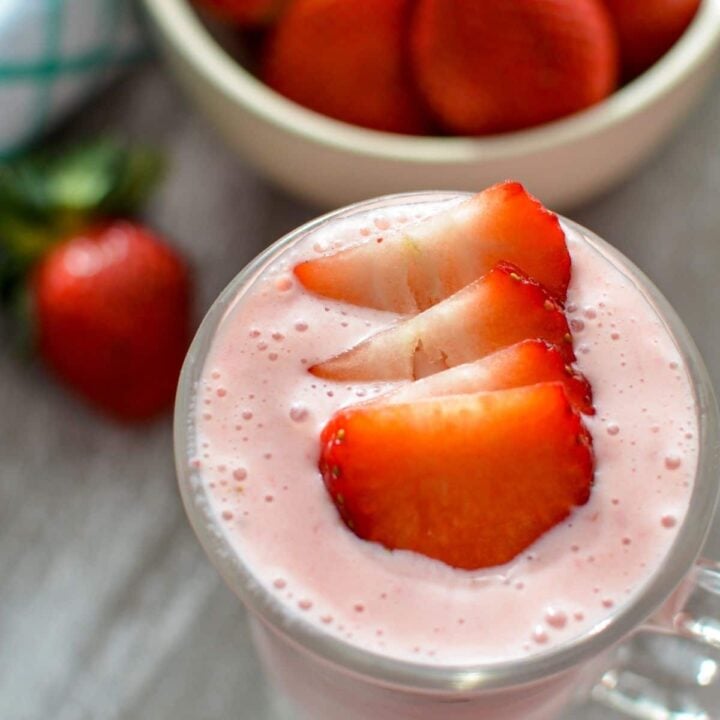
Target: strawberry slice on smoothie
(484, 450)
(526, 363)
(471, 480)
(414, 268)
(500, 309)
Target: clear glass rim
(466, 678)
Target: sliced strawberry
(500, 309)
(471, 480)
(526, 363)
(413, 269)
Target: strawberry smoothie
(259, 415)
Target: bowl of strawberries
(338, 100)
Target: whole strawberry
(502, 65)
(108, 299)
(346, 59)
(647, 29)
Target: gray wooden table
(108, 607)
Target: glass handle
(670, 668)
(699, 618)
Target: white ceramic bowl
(332, 163)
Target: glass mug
(659, 646)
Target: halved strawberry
(471, 480)
(526, 363)
(500, 309)
(413, 269)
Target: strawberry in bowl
(457, 67)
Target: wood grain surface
(108, 607)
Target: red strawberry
(112, 308)
(647, 29)
(501, 65)
(500, 309)
(416, 267)
(346, 59)
(244, 12)
(471, 480)
(526, 363)
(109, 300)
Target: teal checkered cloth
(53, 54)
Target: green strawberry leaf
(46, 196)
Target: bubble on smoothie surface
(673, 462)
(283, 283)
(298, 412)
(555, 617)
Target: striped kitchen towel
(53, 54)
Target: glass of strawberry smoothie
(347, 629)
